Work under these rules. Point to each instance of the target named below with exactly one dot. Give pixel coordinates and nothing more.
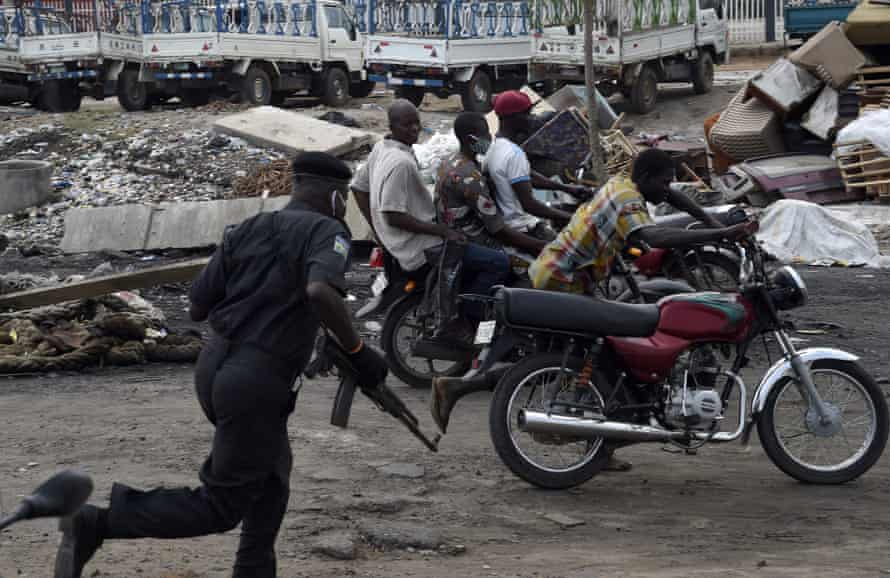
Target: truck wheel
(361, 89)
(256, 88)
(414, 94)
(703, 73)
(132, 94)
(71, 97)
(476, 96)
(644, 92)
(335, 89)
(194, 96)
(278, 97)
(51, 97)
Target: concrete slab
(357, 224)
(197, 224)
(121, 228)
(292, 132)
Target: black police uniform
(263, 333)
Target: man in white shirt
(390, 189)
(509, 169)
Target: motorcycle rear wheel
(801, 452)
(401, 329)
(532, 456)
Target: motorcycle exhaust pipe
(541, 422)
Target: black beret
(321, 165)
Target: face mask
(335, 194)
(479, 145)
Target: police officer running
(271, 282)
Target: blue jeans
(483, 269)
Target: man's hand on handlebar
(742, 230)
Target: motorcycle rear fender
(504, 342)
(782, 369)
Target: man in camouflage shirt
(464, 200)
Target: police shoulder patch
(341, 246)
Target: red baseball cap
(512, 102)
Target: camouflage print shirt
(464, 202)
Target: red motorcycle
(608, 374)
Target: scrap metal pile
(117, 329)
(783, 135)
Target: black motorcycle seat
(564, 312)
(727, 214)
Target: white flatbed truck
(637, 44)
(472, 48)
(265, 51)
(47, 57)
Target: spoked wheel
(710, 271)
(545, 460)
(404, 325)
(832, 451)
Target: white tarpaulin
(873, 126)
(802, 232)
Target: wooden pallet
(618, 152)
(862, 165)
(874, 76)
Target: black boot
(80, 540)
(447, 390)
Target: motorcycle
(411, 320)
(605, 374)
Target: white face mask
(335, 194)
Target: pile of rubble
(124, 163)
(777, 138)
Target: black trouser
(246, 394)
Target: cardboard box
(784, 86)
(868, 23)
(831, 56)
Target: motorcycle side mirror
(60, 496)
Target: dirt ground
(724, 512)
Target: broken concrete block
(197, 224)
(121, 228)
(292, 132)
(356, 223)
(784, 86)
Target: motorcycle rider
(616, 217)
(464, 200)
(403, 213)
(509, 169)
(269, 284)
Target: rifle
(330, 355)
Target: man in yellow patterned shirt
(617, 216)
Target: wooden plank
(148, 277)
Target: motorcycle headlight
(789, 290)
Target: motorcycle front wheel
(546, 460)
(796, 440)
(403, 326)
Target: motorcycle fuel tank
(685, 319)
